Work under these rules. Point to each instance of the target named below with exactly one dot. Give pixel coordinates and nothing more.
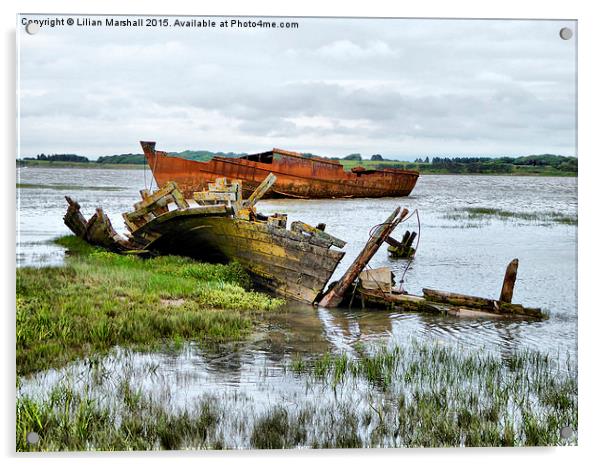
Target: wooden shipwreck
(218, 225)
(299, 176)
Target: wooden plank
(336, 294)
(405, 237)
(154, 197)
(280, 234)
(408, 302)
(214, 196)
(219, 184)
(302, 264)
(393, 242)
(179, 199)
(459, 299)
(130, 225)
(277, 220)
(74, 219)
(305, 228)
(263, 188)
(509, 280)
(377, 279)
(142, 211)
(288, 290)
(289, 234)
(408, 243)
(262, 241)
(405, 302)
(517, 309)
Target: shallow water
(466, 255)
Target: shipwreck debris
(376, 288)
(402, 249)
(219, 225)
(337, 293)
(97, 230)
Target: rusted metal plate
(297, 176)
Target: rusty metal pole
(509, 279)
(334, 297)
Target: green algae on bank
(100, 299)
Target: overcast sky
(401, 88)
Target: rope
(372, 231)
(153, 177)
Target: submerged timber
(217, 225)
(298, 176)
(376, 287)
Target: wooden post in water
(336, 294)
(509, 279)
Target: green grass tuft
(100, 299)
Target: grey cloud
(444, 86)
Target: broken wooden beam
(154, 197)
(509, 280)
(74, 219)
(263, 188)
(97, 230)
(402, 249)
(412, 303)
(301, 227)
(335, 295)
(393, 242)
(457, 299)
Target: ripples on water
(456, 255)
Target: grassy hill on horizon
(542, 164)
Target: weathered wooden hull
(278, 259)
(298, 176)
(296, 263)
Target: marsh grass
(71, 421)
(417, 395)
(440, 396)
(100, 299)
(482, 214)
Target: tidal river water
(469, 228)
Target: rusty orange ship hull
(298, 176)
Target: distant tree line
(198, 155)
(498, 165)
(60, 158)
(501, 164)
